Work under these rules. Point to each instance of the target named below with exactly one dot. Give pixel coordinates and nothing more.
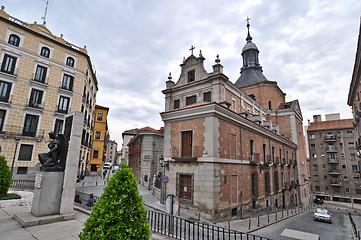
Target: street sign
(159, 175)
(165, 179)
(172, 204)
(98, 166)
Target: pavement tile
(18, 234)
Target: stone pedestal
(47, 193)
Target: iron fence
(186, 229)
(23, 184)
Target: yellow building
(99, 140)
(42, 78)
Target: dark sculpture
(54, 160)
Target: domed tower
(251, 72)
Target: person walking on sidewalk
(104, 173)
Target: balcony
(332, 160)
(331, 149)
(335, 183)
(13, 131)
(38, 79)
(330, 138)
(358, 143)
(334, 172)
(189, 154)
(34, 105)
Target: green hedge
(5, 176)
(119, 214)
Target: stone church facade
(233, 149)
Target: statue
(54, 160)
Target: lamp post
(163, 164)
(17, 140)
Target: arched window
(70, 62)
(45, 52)
(14, 40)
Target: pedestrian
(90, 202)
(104, 173)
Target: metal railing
(354, 228)
(23, 184)
(20, 131)
(181, 228)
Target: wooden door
(185, 188)
(187, 144)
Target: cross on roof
(247, 20)
(192, 48)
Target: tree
(119, 214)
(5, 176)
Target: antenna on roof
(46, 10)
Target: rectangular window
(97, 135)
(312, 146)
(93, 168)
(314, 167)
(351, 145)
(353, 156)
(345, 178)
(191, 100)
(316, 178)
(40, 74)
(176, 104)
(67, 82)
(311, 136)
(267, 183)
(63, 106)
(2, 119)
(275, 176)
(22, 170)
(8, 65)
(254, 184)
(25, 152)
(356, 179)
(251, 150)
(207, 97)
(100, 116)
(264, 152)
(185, 186)
(95, 153)
(5, 88)
(30, 125)
(58, 128)
(36, 98)
(317, 188)
(349, 134)
(191, 76)
(314, 156)
(354, 168)
(321, 145)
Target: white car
(322, 215)
(107, 166)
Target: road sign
(98, 165)
(165, 179)
(172, 204)
(159, 175)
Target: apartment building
(333, 161)
(354, 100)
(111, 152)
(43, 77)
(232, 149)
(99, 141)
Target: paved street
(339, 229)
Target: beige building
(43, 77)
(111, 152)
(333, 161)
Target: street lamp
(164, 164)
(17, 140)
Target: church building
(233, 149)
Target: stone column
(71, 168)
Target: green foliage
(119, 213)
(10, 196)
(5, 176)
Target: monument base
(47, 193)
(27, 219)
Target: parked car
(115, 169)
(322, 215)
(107, 166)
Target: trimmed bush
(5, 176)
(119, 213)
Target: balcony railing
(334, 171)
(194, 152)
(331, 149)
(10, 130)
(332, 160)
(34, 105)
(335, 182)
(330, 138)
(14, 72)
(40, 79)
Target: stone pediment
(192, 65)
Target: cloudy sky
(307, 46)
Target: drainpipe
(240, 138)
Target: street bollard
(258, 221)
(96, 183)
(83, 184)
(267, 218)
(249, 223)
(287, 212)
(282, 213)
(276, 214)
